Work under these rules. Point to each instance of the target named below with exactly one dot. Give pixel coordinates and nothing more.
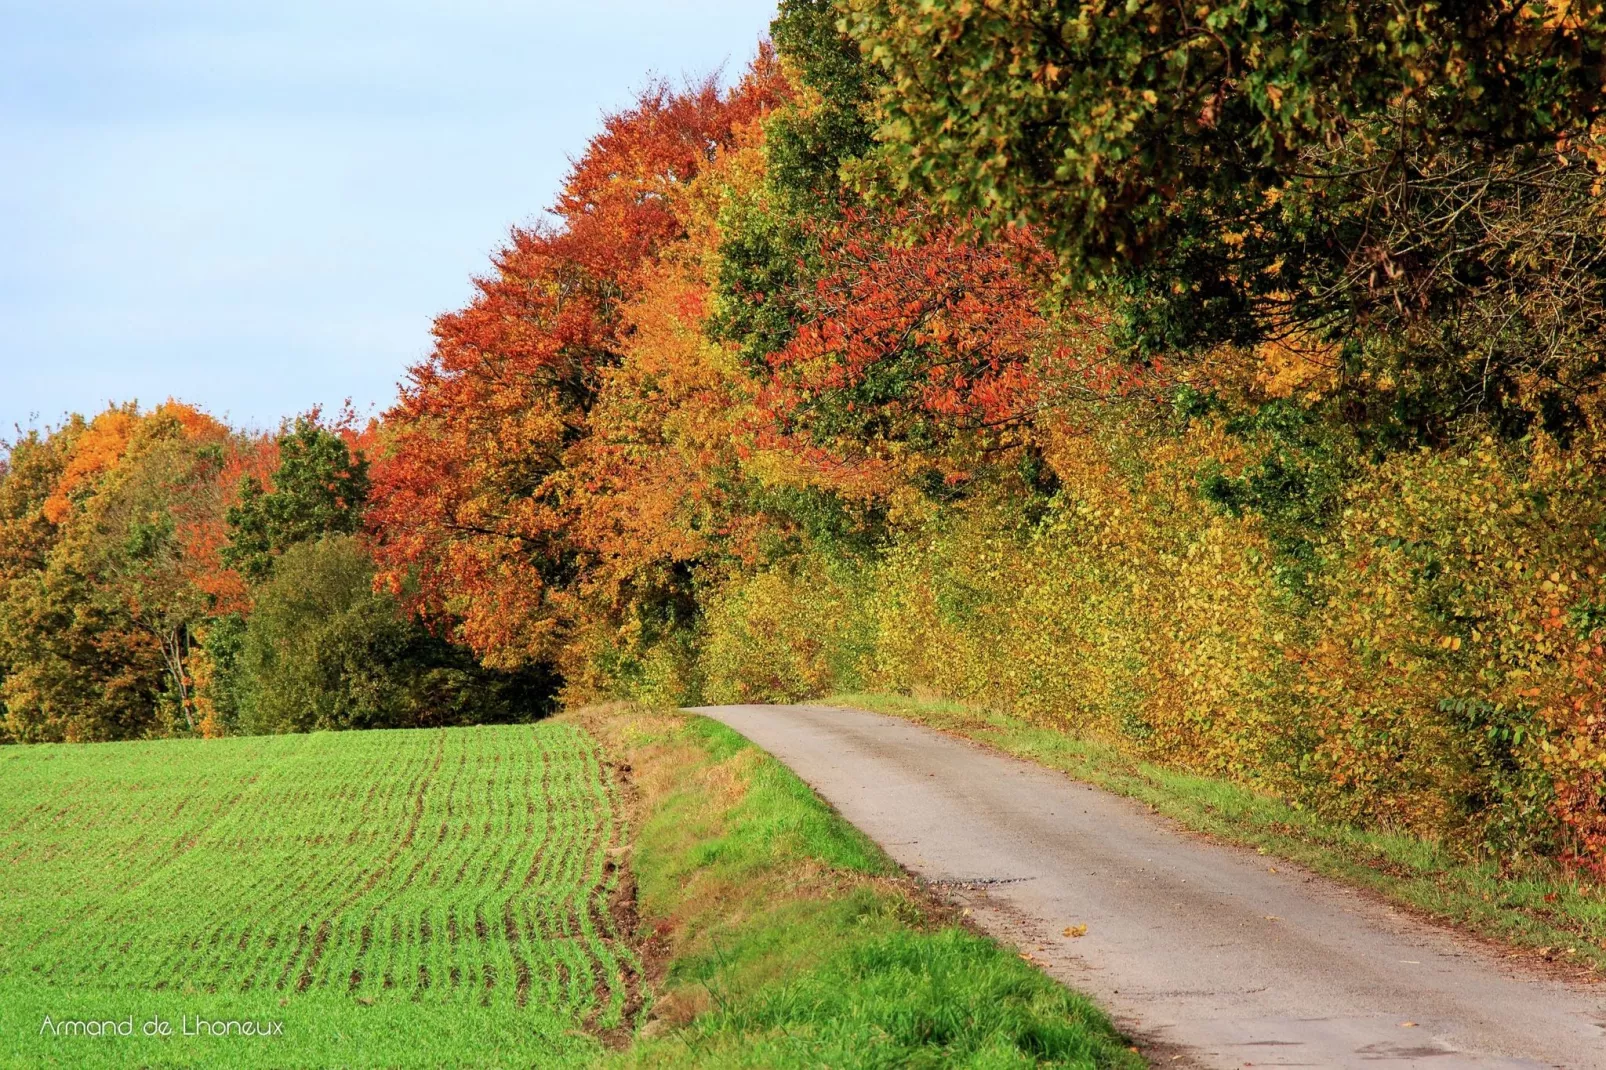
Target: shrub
(1437, 668)
(323, 649)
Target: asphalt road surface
(1207, 955)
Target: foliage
(785, 634)
(807, 145)
(904, 348)
(374, 892)
(820, 126)
(474, 498)
(324, 650)
(101, 628)
(1421, 175)
(1093, 120)
(319, 488)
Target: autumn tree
(102, 630)
(474, 504)
(149, 535)
(919, 351)
(28, 474)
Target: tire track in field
(321, 937)
(513, 905)
(529, 908)
(365, 938)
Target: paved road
(1211, 956)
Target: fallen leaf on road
(1075, 930)
(1273, 917)
(1407, 1025)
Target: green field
(431, 898)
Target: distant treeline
(161, 574)
(1225, 381)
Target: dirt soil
(1208, 955)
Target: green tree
(1092, 119)
(77, 671)
(319, 488)
(832, 124)
(1416, 182)
(323, 649)
(321, 645)
(769, 249)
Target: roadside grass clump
(395, 898)
(786, 938)
(1541, 909)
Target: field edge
(775, 934)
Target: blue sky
(261, 207)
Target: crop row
(437, 866)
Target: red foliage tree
(473, 509)
(938, 349)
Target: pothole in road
(976, 882)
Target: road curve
(1210, 956)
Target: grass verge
(783, 937)
(1543, 913)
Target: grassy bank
(1540, 910)
(782, 937)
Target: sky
(261, 207)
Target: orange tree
(100, 630)
(474, 499)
